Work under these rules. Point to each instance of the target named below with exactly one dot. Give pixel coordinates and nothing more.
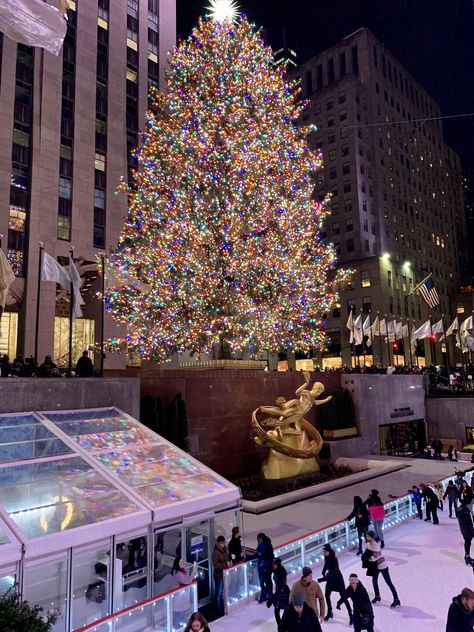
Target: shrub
(16, 615)
(339, 413)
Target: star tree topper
(222, 10)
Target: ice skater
(373, 553)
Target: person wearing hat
(334, 580)
(363, 616)
(311, 591)
(299, 617)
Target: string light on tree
(222, 245)
(222, 10)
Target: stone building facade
(69, 124)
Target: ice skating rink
(426, 565)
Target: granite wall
(379, 400)
(26, 394)
(448, 417)
(219, 406)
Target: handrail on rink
(241, 581)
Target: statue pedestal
(272, 487)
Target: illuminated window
(460, 309)
(82, 338)
(365, 279)
(100, 162)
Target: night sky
(433, 39)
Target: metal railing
(241, 582)
(168, 612)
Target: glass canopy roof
(61, 471)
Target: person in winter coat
(417, 498)
(431, 503)
(466, 526)
(299, 617)
(334, 580)
(235, 546)
(84, 366)
(461, 612)
(373, 553)
(197, 623)
(220, 560)
(264, 565)
(281, 596)
(311, 591)
(377, 514)
(465, 494)
(452, 494)
(363, 613)
(182, 578)
(362, 520)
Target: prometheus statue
(292, 441)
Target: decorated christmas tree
(222, 244)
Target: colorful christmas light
(223, 227)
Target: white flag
(375, 327)
(381, 329)
(350, 321)
(422, 332)
(453, 327)
(469, 341)
(367, 331)
(466, 324)
(33, 22)
(438, 327)
(54, 272)
(356, 333)
(7, 276)
(76, 289)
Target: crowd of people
(27, 367)
(304, 606)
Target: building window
(460, 309)
(389, 278)
(345, 150)
(332, 155)
(349, 224)
(355, 60)
(365, 279)
(342, 66)
(346, 168)
(336, 228)
(330, 70)
(349, 245)
(366, 303)
(332, 173)
(319, 76)
(347, 186)
(64, 219)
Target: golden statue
(292, 441)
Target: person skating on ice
(373, 553)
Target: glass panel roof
(23, 437)
(52, 496)
(98, 430)
(64, 470)
(162, 474)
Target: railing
(241, 582)
(168, 612)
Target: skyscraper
(396, 187)
(69, 124)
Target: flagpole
(420, 284)
(371, 337)
(363, 339)
(446, 357)
(353, 339)
(102, 316)
(388, 341)
(409, 343)
(380, 342)
(395, 340)
(71, 313)
(432, 347)
(38, 295)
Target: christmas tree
(222, 244)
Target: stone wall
(27, 394)
(448, 417)
(379, 400)
(219, 406)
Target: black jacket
(235, 548)
(466, 526)
(430, 497)
(332, 575)
(360, 599)
(451, 492)
(293, 622)
(361, 515)
(281, 594)
(465, 496)
(459, 619)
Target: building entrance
(404, 438)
